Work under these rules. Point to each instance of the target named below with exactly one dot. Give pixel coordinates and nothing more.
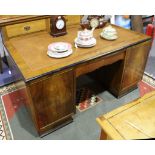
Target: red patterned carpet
(86, 98)
(13, 101)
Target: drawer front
(72, 19)
(25, 28)
(100, 62)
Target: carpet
(149, 79)
(13, 99)
(5, 130)
(86, 98)
(145, 88)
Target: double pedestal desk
(51, 83)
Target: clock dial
(60, 24)
(94, 23)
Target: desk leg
(5, 58)
(52, 100)
(1, 67)
(103, 135)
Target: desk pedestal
(52, 100)
(122, 77)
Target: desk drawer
(97, 63)
(26, 27)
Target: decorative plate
(91, 43)
(59, 47)
(58, 54)
(113, 37)
(86, 46)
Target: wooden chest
(135, 120)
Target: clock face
(60, 24)
(94, 23)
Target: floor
(84, 126)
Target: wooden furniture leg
(1, 67)
(5, 58)
(103, 135)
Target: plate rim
(102, 36)
(69, 53)
(86, 46)
(75, 41)
(55, 50)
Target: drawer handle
(27, 28)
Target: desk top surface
(132, 121)
(30, 51)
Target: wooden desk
(51, 83)
(134, 120)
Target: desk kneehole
(99, 62)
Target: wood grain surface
(134, 120)
(135, 62)
(30, 51)
(53, 99)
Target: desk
(51, 83)
(134, 120)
